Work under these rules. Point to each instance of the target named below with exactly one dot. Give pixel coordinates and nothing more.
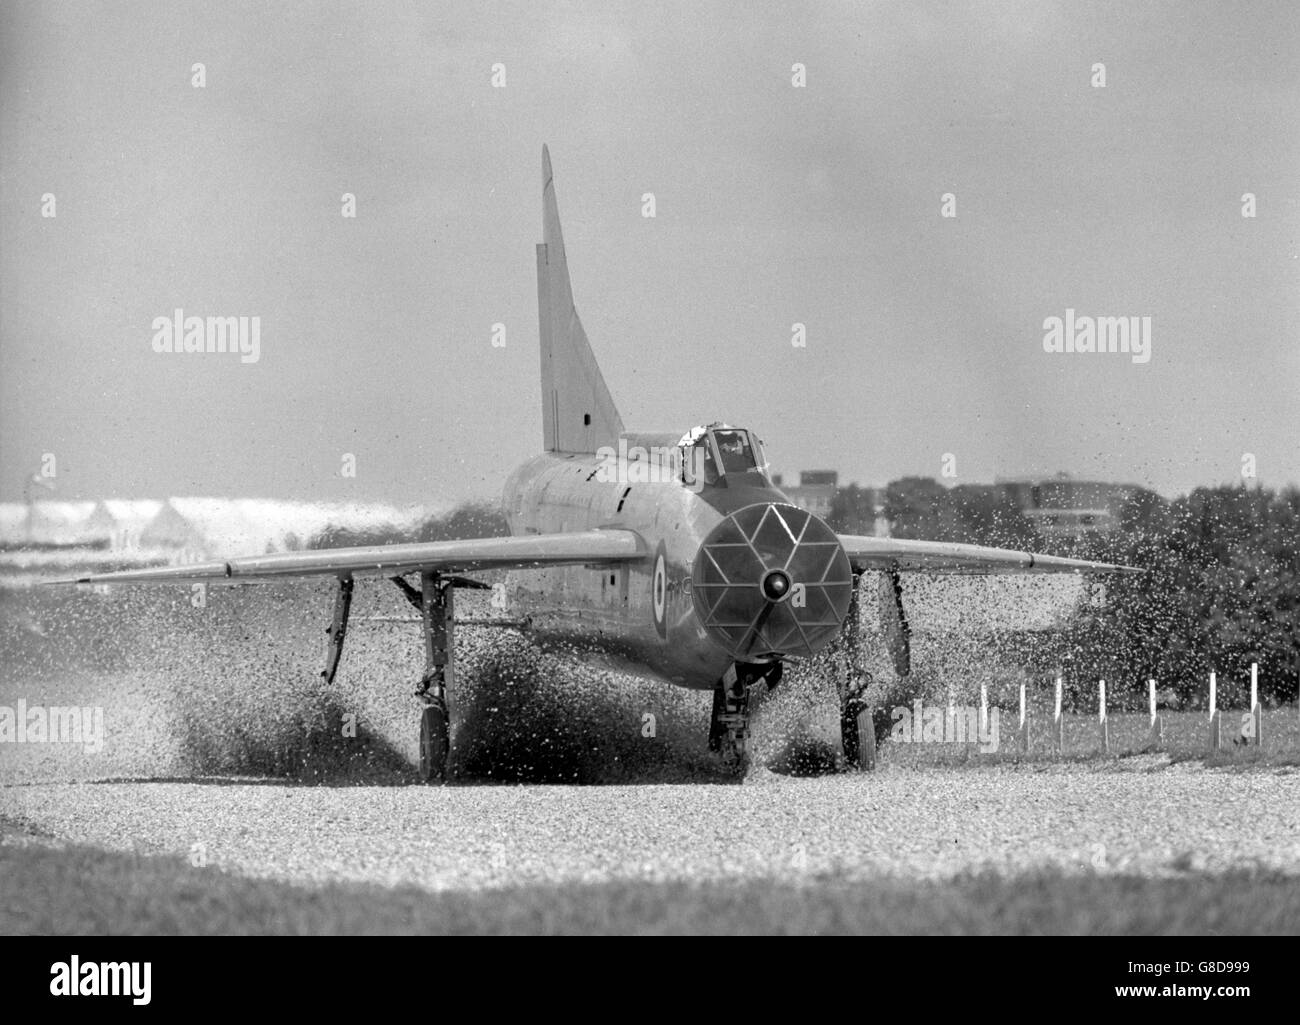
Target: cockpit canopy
(719, 451)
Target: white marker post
(1057, 732)
(1156, 737)
(984, 709)
(1103, 724)
(1215, 740)
(1256, 710)
(1024, 722)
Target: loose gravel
(932, 823)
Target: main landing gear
(729, 724)
(857, 728)
(436, 601)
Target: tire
(715, 729)
(434, 742)
(857, 735)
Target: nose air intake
(772, 580)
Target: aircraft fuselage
(643, 613)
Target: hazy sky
(775, 205)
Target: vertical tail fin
(578, 414)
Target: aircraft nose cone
(772, 580)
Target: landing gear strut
(436, 602)
(729, 724)
(857, 730)
(729, 729)
(434, 740)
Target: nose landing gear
(729, 724)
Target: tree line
(1220, 591)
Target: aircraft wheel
(716, 729)
(434, 742)
(736, 757)
(858, 734)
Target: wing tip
(1109, 567)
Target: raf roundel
(659, 592)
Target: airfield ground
(235, 793)
(1149, 847)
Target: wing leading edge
(892, 553)
(597, 547)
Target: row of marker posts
(1156, 735)
(1022, 731)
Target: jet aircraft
(673, 551)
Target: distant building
(13, 524)
(190, 529)
(194, 529)
(125, 520)
(1055, 507)
(184, 534)
(49, 525)
(815, 491)
(1061, 506)
(112, 524)
(849, 509)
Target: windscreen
(736, 451)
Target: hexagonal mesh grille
(727, 577)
